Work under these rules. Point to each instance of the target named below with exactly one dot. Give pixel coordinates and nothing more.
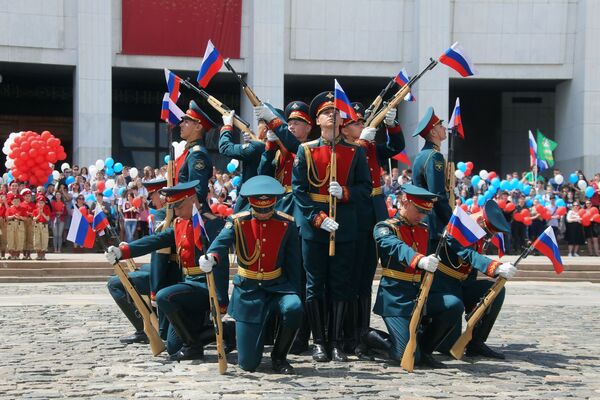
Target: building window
(141, 144)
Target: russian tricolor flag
(402, 79)
(532, 150)
(80, 231)
(456, 120)
(456, 58)
(169, 111)
(463, 228)
(151, 224)
(198, 225)
(402, 157)
(498, 241)
(342, 103)
(173, 82)
(547, 245)
(211, 64)
(100, 222)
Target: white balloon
(582, 184)
(9, 163)
(459, 174)
(55, 175)
(483, 174)
(559, 179)
(5, 150)
(64, 166)
(99, 164)
(480, 184)
(110, 183)
(235, 162)
(133, 172)
(92, 170)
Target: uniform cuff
(274, 124)
(125, 252)
(271, 146)
(491, 268)
(215, 255)
(415, 261)
(222, 309)
(345, 194)
(394, 129)
(319, 218)
(152, 296)
(226, 128)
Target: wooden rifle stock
(372, 109)
(215, 314)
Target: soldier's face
(184, 209)
(409, 211)
(299, 129)
(440, 131)
(326, 117)
(189, 129)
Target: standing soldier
(28, 206)
(41, 217)
(15, 232)
(373, 209)
(313, 189)
(429, 172)
(268, 277)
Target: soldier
(15, 216)
(3, 233)
(402, 245)
(185, 304)
(456, 276)
(268, 275)
(429, 172)
(28, 206)
(372, 210)
(313, 190)
(41, 217)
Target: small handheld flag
(547, 245)
(456, 120)
(199, 229)
(342, 103)
(100, 222)
(463, 228)
(402, 157)
(532, 150)
(498, 241)
(402, 79)
(151, 224)
(456, 58)
(80, 231)
(211, 64)
(173, 82)
(169, 111)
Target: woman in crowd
(57, 220)
(591, 233)
(130, 216)
(575, 236)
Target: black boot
(338, 310)
(192, 348)
(136, 320)
(300, 344)
(316, 317)
(428, 361)
(378, 341)
(229, 336)
(350, 326)
(283, 342)
(481, 349)
(433, 334)
(364, 319)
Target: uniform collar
(403, 221)
(431, 145)
(328, 143)
(191, 144)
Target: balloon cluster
(589, 215)
(463, 169)
(30, 156)
(232, 166)
(221, 209)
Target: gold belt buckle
(259, 276)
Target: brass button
(264, 239)
(264, 225)
(263, 254)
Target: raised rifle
(170, 179)
(369, 112)
(450, 177)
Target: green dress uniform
(429, 172)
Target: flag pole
(332, 178)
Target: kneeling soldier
(268, 275)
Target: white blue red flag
(402, 79)
(402, 157)
(151, 224)
(456, 58)
(533, 158)
(211, 64)
(100, 222)
(342, 103)
(498, 241)
(463, 228)
(169, 111)
(173, 82)
(456, 120)
(547, 245)
(80, 231)
(199, 229)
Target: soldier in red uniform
(28, 206)
(41, 217)
(15, 215)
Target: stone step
(103, 272)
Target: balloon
(596, 218)
(461, 166)
(528, 203)
(83, 210)
(118, 167)
(514, 183)
(526, 189)
(501, 204)
(469, 202)
(594, 211)
(55, 175)
(110, 183)
(539, 209)
(527, 220)
(589, 192)
(463, 206)
(109, 171)
(70, 180)
(582, 184)
(573, 178)
(64, 166)
(560, 203)
(99, 164)
(221, 209)
(581, 212)
(481, 201)
(231, 168)
(92, 170)
(100, 186)
(137, 202)
(475, 180)
(586, 220)
(525, 212)
(492, 175)
(475, 209)
(133, 172)
(213, 207)
(90, 198)
(496, 182)
(560, 211)
(236, 181)
(167, 158)
(518, 217)
(559, 179)
(121, 191)
(483, 174)
(459, 174)
(108, 193)
(510, 207)
(235, 162)
(109, 162)
(391, 212)
(229, 211)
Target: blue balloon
(469, 202)
(481, 201)
(230, 168)
(589, 192)
(152, 211)
(514, 183)
(560, 203)
(475, 180)
(9, 180)
(505, 185)
(110, 171)
(496, 182)
(118, 167)
(529, 202)
(90, 198)
(526, 190)
(236, 180)
(108, 192)
(109, 162)
(121, 191)
(461, 166)
(10, 175)
(167, 159)
(70, 180)
(538, 197)
(573, 178)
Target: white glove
(271, 136)
(329, 225)
(263, 112)
(228, 118)
(113, 254)
(246, 137)
(336, 190)
(368, 134)
(429, 263)
(506, 270)
(390, 117)
(206, 263)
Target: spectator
(57, 220)
(575, 235)
(79, 203)
(591, 234)
(130, 216)
(148, 174)
(85, 174)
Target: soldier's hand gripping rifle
(408, 358)
(372, 109)
(399, 96)
(458, 349)
(238, 122)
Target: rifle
(450, 177)
(408, 358)
(170, 178)
(332, 178)
(238, 122)
(377, 102)
(458, 349)
(399, 96)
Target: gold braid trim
(313, 177)
(279, 174)
(241, 251)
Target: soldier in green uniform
(268, 276)
(429, 172)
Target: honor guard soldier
(429, 172)
(456, 276)
(268, 275)
(327, 276)
(372, 210)
(15, 234)
(185, 304)
(402, 245)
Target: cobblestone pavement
(61, 341)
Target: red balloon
(525, 212)
(561, 211)
(222, 209)
(101, 185)
(229, 211)
(391, 212)
(475, 209)
(463, 206)
(594, 211)
(581, 212)
(137, 202)
(518, 217)
(46, 135)
(527, 220)
(469, 165)
(83, 210)
(213, 207)
(491, 175)
(586, 220)
(546, 214)
(502, 204)
(596, 218)
(539, 209)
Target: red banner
(181, 27)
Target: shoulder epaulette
(208, 215)
(423, 224)
(240, 214)
(306, 144)
(284, 215)
(196, 148)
